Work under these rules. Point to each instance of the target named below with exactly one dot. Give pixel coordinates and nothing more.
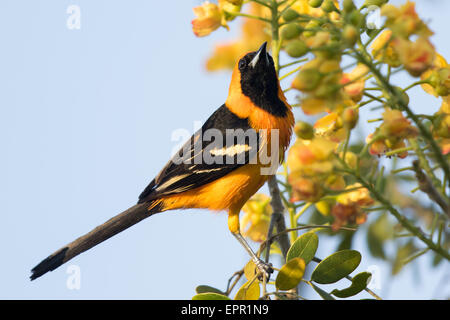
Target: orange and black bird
(218, 174)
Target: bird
(238, 148)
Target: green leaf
(206, 289)
(336, 266)
(210, 296)
(249, 291)
(290, 274)
(325, 295)
(304, 247)
(359, 283)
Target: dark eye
(242, 64)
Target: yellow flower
(313, 105)
(208, 19)
(396, 125)
(310, 160)
(417, 56)
(359, 196)
(302, 7)
(224, 56)
(439, 77)
(383, 49)
(344, 214)
(230, 6)
(355, 89)
(441, 124)
(256, 219)
(391, 134)
(330, 126)
(404, 21)
(305, 189)
(349, 204)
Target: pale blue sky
(86, 122)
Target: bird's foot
(265, 269)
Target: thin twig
(426, 186)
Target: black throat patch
(261, 86)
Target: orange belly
(228, 193)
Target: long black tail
(105, 231)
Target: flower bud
(350, 35)
(377, 3)
(351, 159)
(356, 18)
(290, 31)
(350, 118)
(443, 83)
(348, 6)
(441, 125)
(313, 24)
(328, 6)
(297, 49)
(307, 80)
(315, 3)
(290, 15)
(304, 130)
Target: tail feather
(105, 231)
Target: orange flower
(307, 189)
(208, 19)
(377, 147)
(396, 125)
(308, 152)
(344, 214)
(391, 134)
(381, 146)
(256, 219)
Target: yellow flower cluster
(395, 46)
(348, 207)
(391, 134)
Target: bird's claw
(265, 269)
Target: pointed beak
(261, 55)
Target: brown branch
(277, 218)
(426, 186)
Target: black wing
(224, 143)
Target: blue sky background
(86, 122)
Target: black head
(259, 81)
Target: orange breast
(228, 193)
